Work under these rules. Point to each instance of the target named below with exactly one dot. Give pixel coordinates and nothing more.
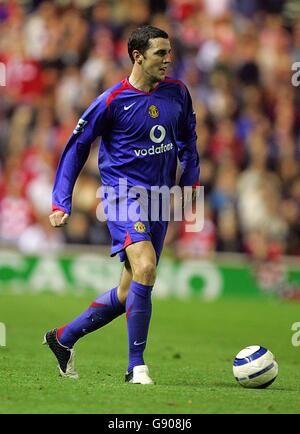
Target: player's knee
(145, 273)
(122, 294)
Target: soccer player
(146, 122)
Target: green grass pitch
(190, 351)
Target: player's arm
(187, 152)
(90, 126)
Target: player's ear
(137, 56)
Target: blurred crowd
(236, 58)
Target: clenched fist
(58, 218)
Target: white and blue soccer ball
(255, 367)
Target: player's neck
(141, 83)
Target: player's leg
(103, 310)
(125, 281)
(142, 258)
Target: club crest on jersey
(80, 126)
(140, 227)
(153, 111)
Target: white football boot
(139, 375)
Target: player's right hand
(58, 219)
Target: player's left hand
(191, 194)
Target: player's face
(156, 59)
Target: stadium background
(236, 58)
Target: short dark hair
(139, 39)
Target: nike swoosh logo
(127, 107)
(139, 343)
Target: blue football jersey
(142, 135)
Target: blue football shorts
(131, 229)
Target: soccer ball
(255, 367)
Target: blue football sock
(104, 309)
(138, 314)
